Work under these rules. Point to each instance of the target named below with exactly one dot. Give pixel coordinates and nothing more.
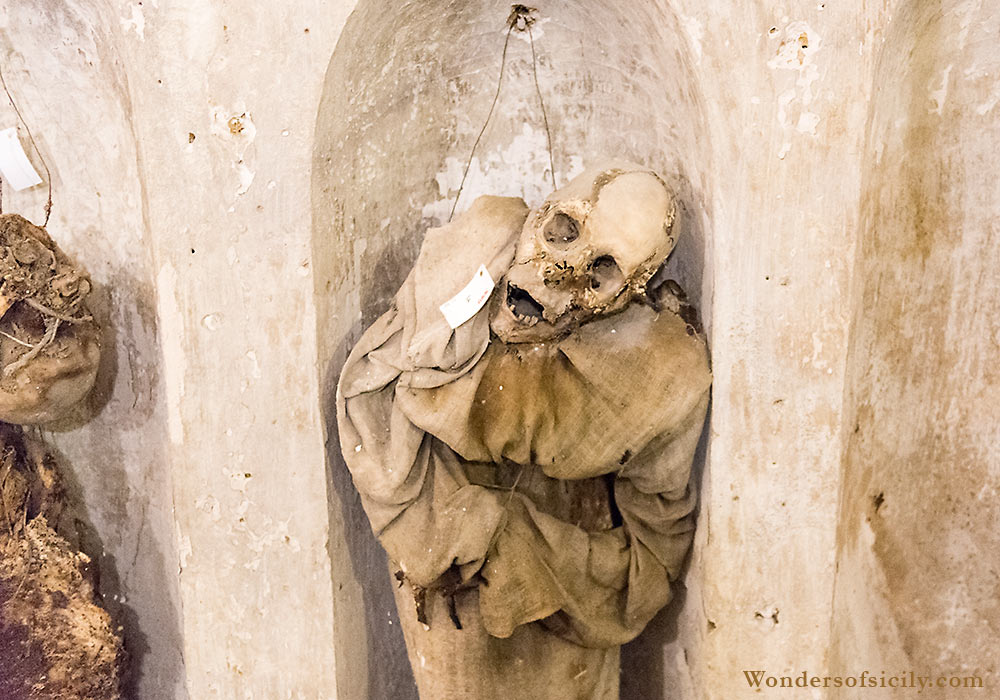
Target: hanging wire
(503, 64)
(41, 158)
(521, 18)
(541, 102)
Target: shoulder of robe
(648, 370)
(639, 344)
(449, 258)
(450, 254)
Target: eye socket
(561, 230)
(605, 273)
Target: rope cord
(521, 18)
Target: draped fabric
(556, 474)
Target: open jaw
(526, 311)
(519, 317)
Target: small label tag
(14, 163)
(467, 303)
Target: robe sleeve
(599, 589)
(413, 488)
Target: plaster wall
(830, 157)
(182, 182)
(63, 62)
(917, 581)
(786, 89)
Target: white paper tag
(14, 163)
(467, 303)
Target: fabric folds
(558, 473)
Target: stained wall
(248, 192)
(786, 90)
(64, 65)
(181, 181)
(919, 527)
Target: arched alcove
(407, 91)
(180, 138)
(918, 509)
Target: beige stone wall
(919, 531)
(786, 89)
(179, 135)
(834, 159)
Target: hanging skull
(588, 250)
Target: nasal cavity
(561, 230)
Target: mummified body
(55, 640)
(528, 471)
(49, 343)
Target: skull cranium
(587, 251)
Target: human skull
(588, 250)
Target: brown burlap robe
(489, 465)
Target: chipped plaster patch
(807, 123)
(235, 128)
(255, 371)
(212, 322)
(183, 546)
(537, 30)
(210, 505)
(695, 33)
(784, 99)
(940, 95)
(518, 170)
(988, 105)
(245, 176)
(136, 22)
(799, 43)
(238, 479)
(174, 363)
(796, 52)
